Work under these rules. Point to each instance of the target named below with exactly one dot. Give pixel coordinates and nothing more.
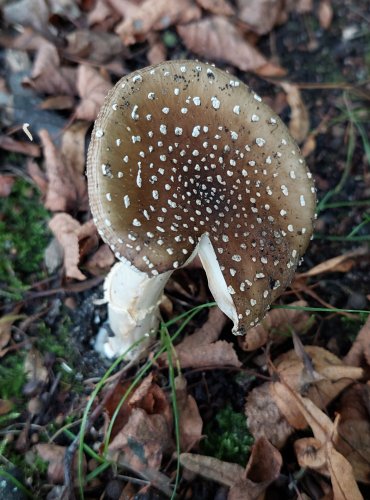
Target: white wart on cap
(183, 152)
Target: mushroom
(186, 159)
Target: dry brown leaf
(299, 123)
(201, 348)
(282, 396)
(264, 417)
(54, 455)
(157, 52)
(5, 406)
(260, 15)
(212, 468)
(67, 187)
(340, 264)
(341, 475)
(276, 326)
(58, 102)
(66, 230)
(142, 441)
(102, 14)
(325, 14)
(23, 147)
(157, 15)
(6, 184)
(217, 38)
(329, 375)
(190, 422)
(93, 89)
(263, 468)
(34, 367)
(126, 8)
(360, 350)
(47, 76)
(353, 437)
(218, 7)
(97, 47)
(101, 261)
(73, 149)
(33, 13)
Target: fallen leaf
(38, 176)
(353, 437)
(58, 102)
(54, 455)
(93, 89)
(73, 150)
(328, 378)
(263, 468)
(217, 38)
(6, 184)
(157, 52)
(212, 468)
(67, 187)
(142, 441)
(202, 348)
(276, 326)
(34, 367)
(6, 323)
(190, 421)
(33, 13)
(47, 76)
(24, 147)
(103, 14)
(218, 7)
(5, 406)
(93, 46)
(155, 15)
(325, 14)
(360, 350)
(340, 264)
(299, 123)
(66, 230)
(264, 417)
(260, 15)
(101, 261)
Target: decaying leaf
(299, 123)
(23, 147)
(202, 348)
(262, 469)
(54, 455)
(276, 326)
(101, 261)
(94, 46)
(190, 422)
(66, 187)
(218, 7)
(264, 417)
(321, 384)
(93, 89)
(325, 13)
(353, 437)
(34, 367)
(6, 323)
(217, 38)
(360, 350)
(260, 15)
(157, 15)
(340, 264)
(66, 230)
(33, 13)
(142, 440)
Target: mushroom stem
(133, 308)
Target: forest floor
(288, 419)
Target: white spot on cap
(302, 201)
(163, 129)
(236, 110)
(155, 194)
(136, 223)
(165, 110)
(215, 102)
(260, 142)
(196, 131)
(99, 133)
(196, 101)
(134, 115)
(151, 96)
(178, 131)
(255, 118)
(234, 136)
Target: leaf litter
(69, 55)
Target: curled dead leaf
(202, 348)
(157, 15)
(54, 455)
(299, 123)
(66, 230)
(360, 350)
(191, 423)
(260, 15)
(276, 325)
(93, 89)
(218, 7)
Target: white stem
(133, 308)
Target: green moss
(228, 437)
(12, 376)
(352, 326)
(24, 235)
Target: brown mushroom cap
(183, 149)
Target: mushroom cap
(183, 149)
